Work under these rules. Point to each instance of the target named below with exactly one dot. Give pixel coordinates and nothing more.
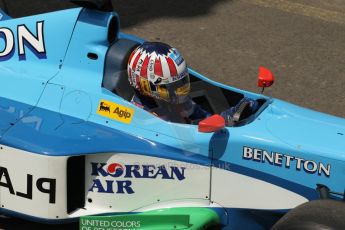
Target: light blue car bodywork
(48, 105)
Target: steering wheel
(239, 112)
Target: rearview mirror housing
(265, 77)
(211, 124)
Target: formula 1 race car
(74, 148)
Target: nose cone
(308, 130)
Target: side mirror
(211, 124)
(265, 78)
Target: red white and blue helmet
(158, 70)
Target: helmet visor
(175, 92)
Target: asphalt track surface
(301, 41)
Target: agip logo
(119, 178)
(115, 111)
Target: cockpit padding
(115, 75)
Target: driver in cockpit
(159, 75)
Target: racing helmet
(158, 70)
